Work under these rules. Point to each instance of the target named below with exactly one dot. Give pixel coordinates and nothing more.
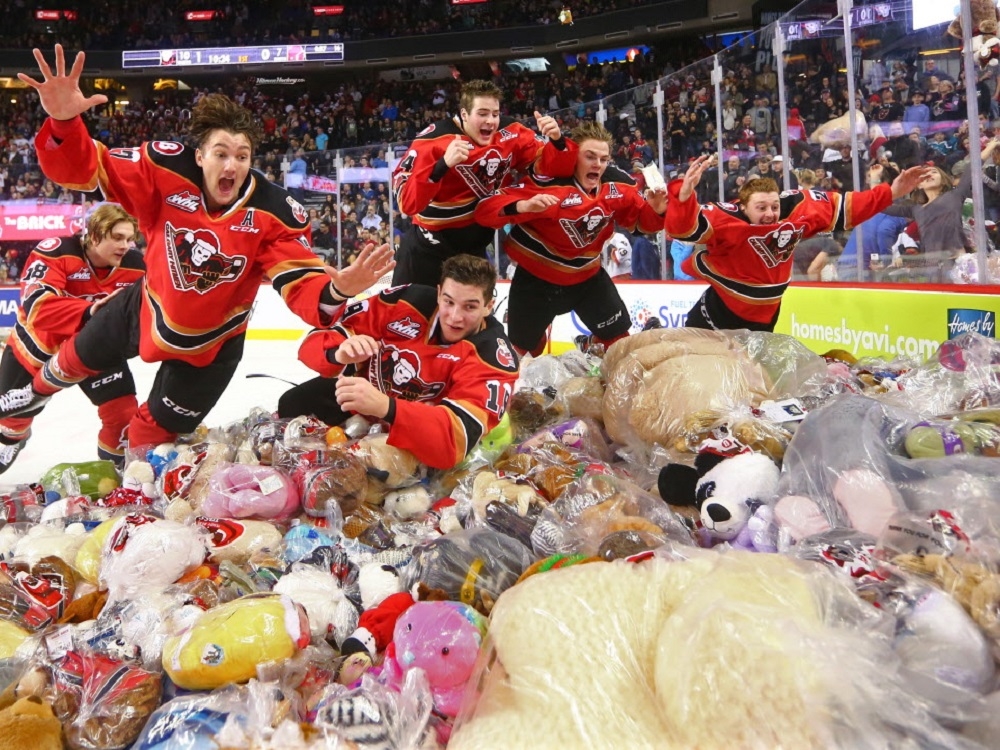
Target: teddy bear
(974, 585)
(598, 506)
(985, 44)
(731, 493)
(657, 378)
(30, 724)
(679, 652)
(473, 566)
(242, 491)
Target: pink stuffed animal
(243, 491)
(442, 639)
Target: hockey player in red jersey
(433, 364)
(215, 229)
(747, 260)
(65, 281)
(560, 227)
(453, 164)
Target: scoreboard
(271, 54)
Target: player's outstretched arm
(693, 175)
(60, 93)
(909, 180)
(371, 265)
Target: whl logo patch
(407, 328)
(965, 320)
(184, 201)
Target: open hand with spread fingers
(60, 93)
(371, 265)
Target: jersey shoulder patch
(60, 247)
(176, 158)
(438, 129)
(792, 199)
(494, 348)
(134, 260)
(614, 174)
(278, 202)
(420, 297)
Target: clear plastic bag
(597, 509)
(846, 468)
(241, 491)
(657, 379)
(473, 566)
(685, 654)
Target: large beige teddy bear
(656, 381)
(733, 650)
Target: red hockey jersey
(750, 265)
(203, 271)
(562, 245)
(439, 198)
(58, 287)
(447, 396)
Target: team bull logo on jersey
(776, 247)
(485, 175)
(584, 230)
(196, 262)
(397, 373)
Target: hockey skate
(8, 453)
(19, 401)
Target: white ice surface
(67, 430)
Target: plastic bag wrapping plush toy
(101, 700)
(983, 35)
(596, 510)
(962, 375)
(846, 468)
(944, 657)
(658, 381)
(241, 491)
(443, 640)
(721, 650)
(373, 715)
(473, 566)
(228, 642)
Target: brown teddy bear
(30, 724)
(985, 19)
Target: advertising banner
(884, 323)
(30, 220)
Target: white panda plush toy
(732, 494)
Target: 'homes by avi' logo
(965, 320)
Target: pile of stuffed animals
(696, 539)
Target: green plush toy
(94, 479)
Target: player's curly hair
(219, 112)
(591, 131)
(471, 271)
(104, 218)
(472, 89)
(757, 185)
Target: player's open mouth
(226, 185)
(593, 176)
(486, 133)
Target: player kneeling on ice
(434, 364)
